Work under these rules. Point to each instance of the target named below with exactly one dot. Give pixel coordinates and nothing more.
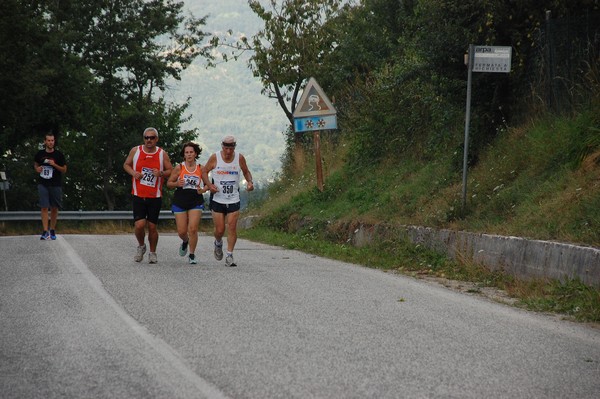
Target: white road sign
(313, 102)
(492, 59)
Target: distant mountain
(227, 99)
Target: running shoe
(229, 261)
(152, 258)
(141, 250)
(52, 235)
(46, 236)
(183, 248)
(192, 259)
(218, 251)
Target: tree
(290, 48)
(367, 37)
(40, 83)
(93, 72)
(131, 47)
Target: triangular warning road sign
(313, 102)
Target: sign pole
(315, 112)
(4, 187)
(467, 122)
(317, 140)
(481, 59)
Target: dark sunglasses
(228, 145)
(149, 137)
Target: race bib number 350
(228, 188)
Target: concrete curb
(521, 257)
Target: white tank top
(226, 176)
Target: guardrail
(84, 215)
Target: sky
(227, 100)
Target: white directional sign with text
(492, 59)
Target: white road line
(165, 350)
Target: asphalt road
(80, 319)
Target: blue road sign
(312, 123)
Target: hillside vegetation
(399, 85)
(398, 77)
(539, 181)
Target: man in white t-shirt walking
(225, 168)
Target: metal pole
(553, 98)
(4, 187)
(467, 122)
(317, 140)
